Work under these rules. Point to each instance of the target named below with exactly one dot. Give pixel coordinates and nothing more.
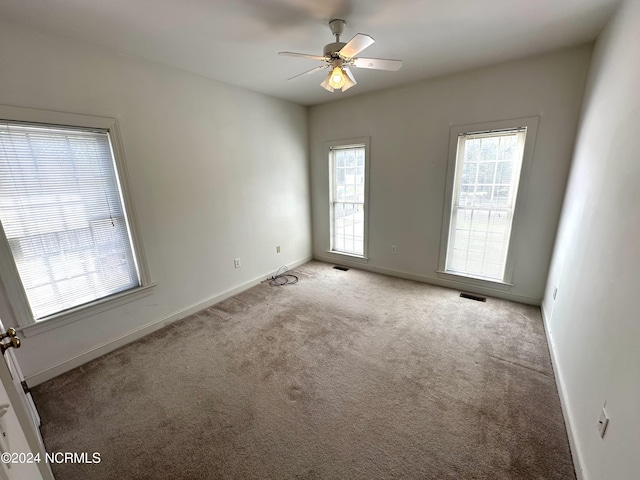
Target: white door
(23, 455)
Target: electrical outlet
(278, 249)
(394, 249)
(603, 421)
(236, 262)
(555, 292)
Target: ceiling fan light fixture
(325, 84)
(349, 80)
(337, 78)
(339, 57)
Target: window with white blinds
(63, 216)
(485, 188)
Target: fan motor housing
(337, 26)
(332, 49)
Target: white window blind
(62, 213)
(486, 185)
(348, 199)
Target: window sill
(349, 256)
(476, 281)
(84, 311)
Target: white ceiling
(236, 41)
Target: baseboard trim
(472, 288)
(564, 403)
(108, 346)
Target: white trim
(531, 123)
(122, 177)
(25, 422)
(460, 285)
(347, 143)
(84, 311)
(21, 316)
(347, 256)
(17, 301)
(564, 402)
(110, 345)
(479, 281)
(20, 114)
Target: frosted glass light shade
(337, 78)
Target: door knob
(11, 332)
(14, 341)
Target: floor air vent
(471, 296)
(338, 267)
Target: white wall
(409, 130)
(594, 323)
(217, 172)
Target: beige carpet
(344, 375)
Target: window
(63, 217)
(348, 194)
(487, 173)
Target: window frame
(531, 125)
(20, 314)
(347, 143)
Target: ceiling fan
(339, 56)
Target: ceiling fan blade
(378, 63)
(321, 67)
(358, 43)
(350, 80)
(303, 55)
